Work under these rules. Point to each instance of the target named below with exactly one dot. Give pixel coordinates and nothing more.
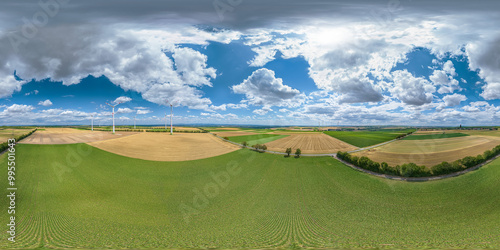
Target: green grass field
(367, 138)
(256, 139)
(434, 136)
(102, 200)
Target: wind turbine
(165, 120)
(92, 122)
(134, 121)
(113, 106)
(171, 115)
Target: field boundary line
(417, 179)
(3, 152)
(272, 152)
(377, 145)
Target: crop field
(310, 143)
(69, 136)
(257, 138)
(431, 151)
(240, 200)
(367, 138)
(233, 133)
(434, 136)
(495, 133)
(166, 147)
(8, 133)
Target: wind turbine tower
(113, 106)
(165, 120)
(134, 121)
(171, 115)
(92, 124)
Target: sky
(244, 62)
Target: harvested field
(186, 129)
(6, 134)
(61, 131)
(234, 133)
(166, 147)
(69, 136)
(228, 128)
(310, 143)
(431, 152)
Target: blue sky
(417, 68)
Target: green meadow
(434, 136)
(256, 139)
(367, 138)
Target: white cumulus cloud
(46, 103)
(262, 88)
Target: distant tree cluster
(413, 170)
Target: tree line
(414, 170)
(4, 146)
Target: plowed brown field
(310, 143)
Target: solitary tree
(288, 152)
(297, 153)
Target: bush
(226, 138)
(298, 152)
(446, 168)
(260, 147)
(413, 170)
(244, 144)
(488, 154)
(288, 152)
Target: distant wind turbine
(113, 106)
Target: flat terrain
(185, 128)
(10, 133)
(310, 143)
(70, 136)
(103, 200)
(233, 133)
(256, 138)
(434, 136)
(431, 152)
(367, 138)
(166, 147)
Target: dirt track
(166, 147)
(310, 143)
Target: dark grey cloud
(244, 14)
